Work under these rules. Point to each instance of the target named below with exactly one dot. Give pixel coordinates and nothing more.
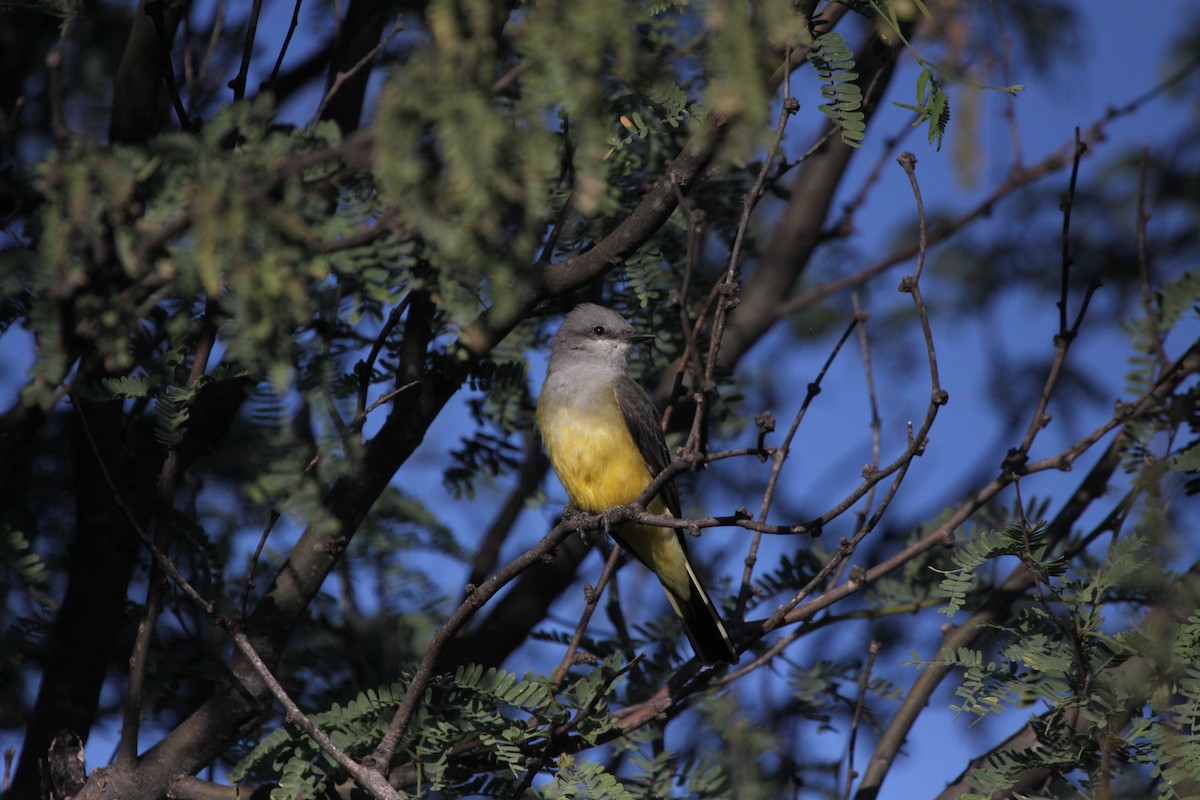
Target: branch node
(766, 424)
(1014, 462)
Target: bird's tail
(703, 624)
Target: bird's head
(597, 335)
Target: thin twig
(864, 681)
(156, 584)
(238, 84)
(876, 424)
(1067, 259)
(248, 581)
(506, 80)
(864, 510)
(154, 9)
(287, 40)
(912, 284)
(341, 78)
(382, 756)
(844, 224)
(560, 222)
(533, 468)
(779, 457)
(214, 39)
(372, 782)
(690, 330)
(1148, 306)
(364, 369)
(1010, 99)
(1015, 460)
(1017, 178)
(669, 699)
(727, 284)
(593, 598)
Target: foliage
(932, 107)
(19, 556)
(499, 722)
(300, 359)
(834, 63)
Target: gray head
(594, 335)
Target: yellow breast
(596, 459)
(600, 466)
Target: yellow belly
(596, 459)
(600, 466)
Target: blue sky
(1119, 56)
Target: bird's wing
(641, 419)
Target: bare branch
(1148, 306)
(340, 79)
(864, 680)
(1017, 178)
(238, 84)
(779, 457)
(287, 40)
(593, 597)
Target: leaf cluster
(834, 63)
(477, 732)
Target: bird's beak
(638, 338)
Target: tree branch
(798, 232)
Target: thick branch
(358, 35)
(139, 104)
(86, 629)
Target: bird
(602, 435)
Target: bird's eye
(598, 330)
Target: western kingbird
(603, 437)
